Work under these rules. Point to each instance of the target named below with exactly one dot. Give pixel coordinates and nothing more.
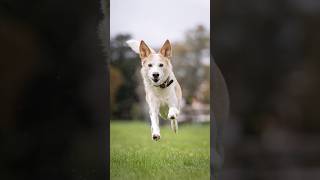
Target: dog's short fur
(163, 92)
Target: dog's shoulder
(178, 90)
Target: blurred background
(189, 34)
(269, 54)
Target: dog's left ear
(166, 49)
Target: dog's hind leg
(174, 125)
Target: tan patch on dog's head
(155, 59)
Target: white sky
(157, 20)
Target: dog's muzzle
(155, 77)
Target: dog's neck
(165, 84)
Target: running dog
(163, 92)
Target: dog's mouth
(155, 80)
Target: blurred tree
(127, 62)
(117, 81)
(203, 91)
(189, 56)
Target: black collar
(166, 83)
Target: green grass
(134, 156)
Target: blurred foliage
(192, 74)
(117, 81)
(124, 63)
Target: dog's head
(156, 67)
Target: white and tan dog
(163, 92)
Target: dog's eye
(160, 65)
(150, 65)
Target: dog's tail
(174, 125)
(135, 45)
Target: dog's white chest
(162, 97)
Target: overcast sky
(157, 20)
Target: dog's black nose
(155, 75)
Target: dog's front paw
(155, 136)
(155, 133)
(173, 113)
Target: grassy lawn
(134, 156)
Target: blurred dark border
(54, 93)
(268, 52)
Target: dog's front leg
(173, 108)
(155, 130)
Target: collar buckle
(166, 83)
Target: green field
(134, 156)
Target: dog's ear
(166, 49)
(144, 50)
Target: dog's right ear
(144, 50)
